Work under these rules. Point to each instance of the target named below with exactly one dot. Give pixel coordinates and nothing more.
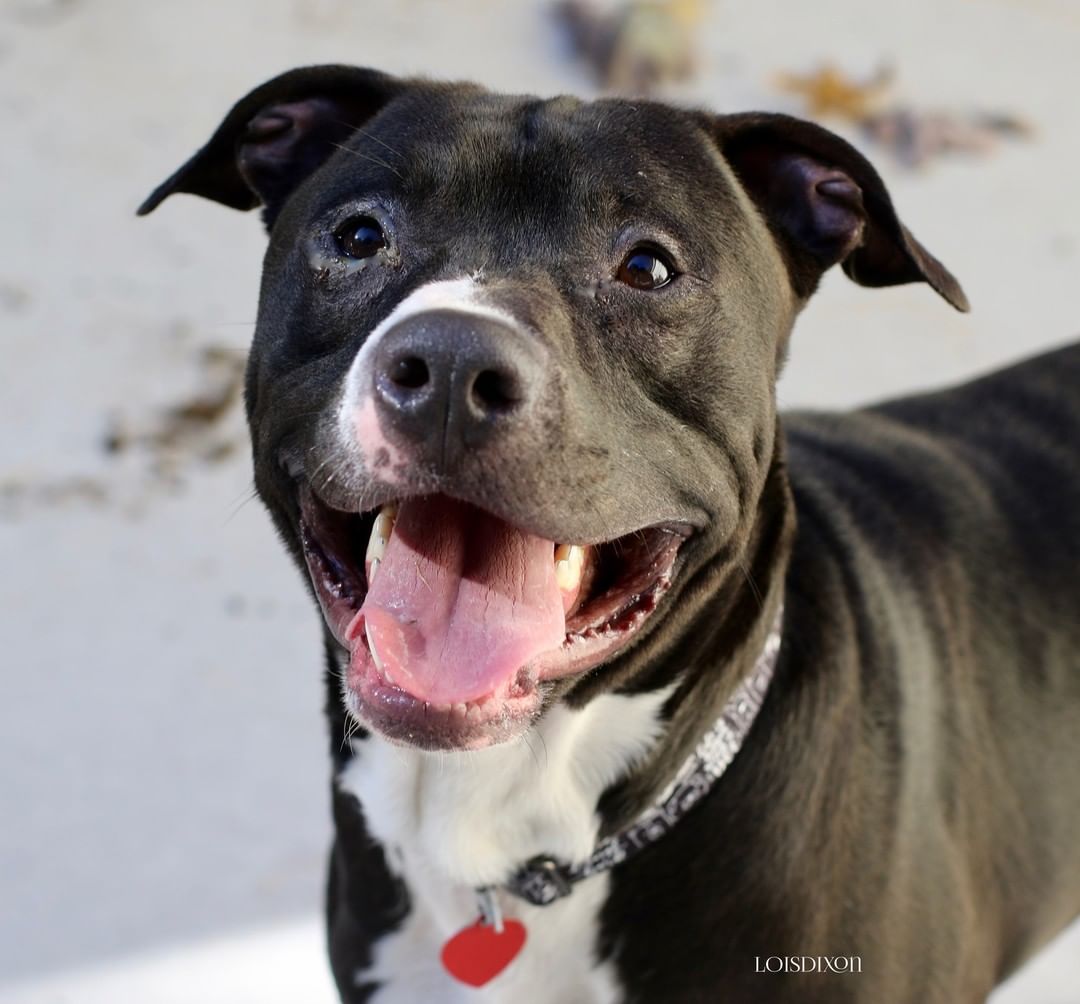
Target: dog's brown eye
(644, 268)
(360, 237)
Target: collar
(543, 880)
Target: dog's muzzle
(446, 382)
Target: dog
(638, 693)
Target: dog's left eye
(360, 237)
(645, 268)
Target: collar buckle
(541, 880)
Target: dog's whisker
(250, 495)
(529, 746)
(369, 135)
(754, 590)
(372, 158)
(318, 470)
(543, 746)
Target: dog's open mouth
(453, 618)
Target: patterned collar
(543, 879)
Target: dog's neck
(727, 617)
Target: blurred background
(164, 780)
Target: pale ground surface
(163, 795)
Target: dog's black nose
(449, 380)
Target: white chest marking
(451, 822)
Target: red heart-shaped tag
(477, 954)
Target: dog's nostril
(493, 390)
(409, 372)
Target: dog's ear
(825, 204)
(280, 133)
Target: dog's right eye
(360, 237)
(645, 268)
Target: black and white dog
(637, 694)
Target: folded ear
(825, 204)
(275, 137)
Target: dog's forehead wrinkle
(595, 152)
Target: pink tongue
(460, 603)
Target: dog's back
(937, 569)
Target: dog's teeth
(374, 655)
(569, 560)
(372, 569)
(380, 537)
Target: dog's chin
(455, 625)
(376, 703)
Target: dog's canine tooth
(569, 561)
(381, 530)
(374, 654)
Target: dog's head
(511, 387)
